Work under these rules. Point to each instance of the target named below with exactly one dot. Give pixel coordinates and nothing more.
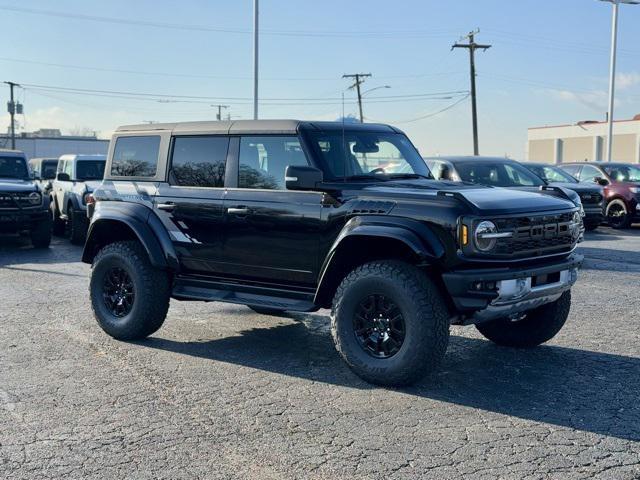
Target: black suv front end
(23, 207)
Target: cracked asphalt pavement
(223, 393)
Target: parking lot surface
(221, 392)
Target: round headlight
(479, 236)
(577, 218)
(35, 198)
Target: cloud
(625, 81)
(595, 100)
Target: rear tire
(618, 216)
(537, 327)
(396, 297)
(41, 234)
(137, 306)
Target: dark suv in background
(289, 215)
(591, 195)
(621, 183)
(496, 172)
(23, 207)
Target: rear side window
(136, 156)
(49, 170)
(199, 161)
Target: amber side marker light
(464, 236)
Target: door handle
(168, 207)
(238, 211)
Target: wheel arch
(365, 239)
(111, 224)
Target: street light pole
(255, 58)
(612, 70)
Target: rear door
(271, 234)
(190, 203)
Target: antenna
(344, 145)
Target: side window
(135, 156)
(68, 168)
(436, 170)
(199, 161)
(263, 161)
(572, 170)
(589, 173)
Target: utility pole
(358, 79)
(12, 111)
(472, 46)
(256, 36)
(220, 107)
(612, 70)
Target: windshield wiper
(367, 177)
(409, 175)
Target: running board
(186, 288)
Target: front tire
(129, 297)
(617, 215)
(534, 328)
(77, 226)
(41, 234)
(389, 323)
(57, 222)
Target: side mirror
(603, 182)
(63, 177)
(299, 177)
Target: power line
(204, 28)
(429, 115)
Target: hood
(92, 184)
(17, 185)
(488, 200)
(575, 198)
(579, 187)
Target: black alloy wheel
(118, 292)
(617, 216)
(379, 326)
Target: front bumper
(12, 221)
(483, 295)
(593, 214)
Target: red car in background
(621, 182)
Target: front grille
(536, 235)
(590, 198)
(15, 201)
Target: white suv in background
(76, 177)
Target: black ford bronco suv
(289, 215)
(23, 207)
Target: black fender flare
(140, 220)
(69, 197)
(416, 235)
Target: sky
(172, 61)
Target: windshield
(49, 169)
(497, 174)
(623, 173)
(90, 170)
(13, 167)
(367, 155)
(551, 174)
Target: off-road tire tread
(432, 327)
(40, 234)
(154, 295)
(58, 225)
(541, 325)
(77, 232)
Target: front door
(190, 204)
(271, 234)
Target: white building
(35, 145)
(585, 141)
